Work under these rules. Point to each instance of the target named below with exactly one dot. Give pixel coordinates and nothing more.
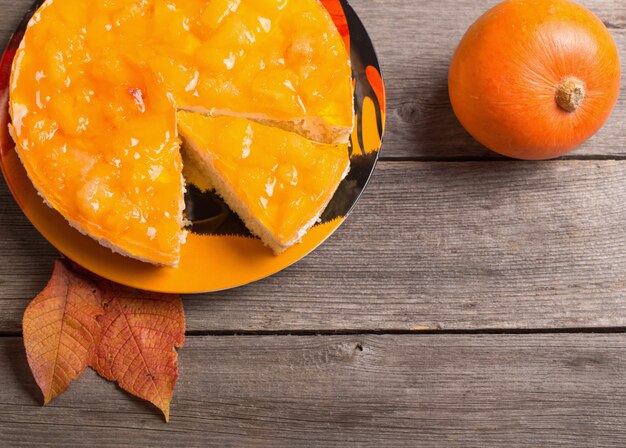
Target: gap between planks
(500, 159)
(417, 332)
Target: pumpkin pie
(96, 86)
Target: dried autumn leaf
(61, 330)
(139, 333)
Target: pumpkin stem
(570, 94)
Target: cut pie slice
(95, 87)
(278, 182)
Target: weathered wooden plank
(431, 245)
(415, 41)
(12, 13)
(369, 391)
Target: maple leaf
(61, 330)
(140, 331)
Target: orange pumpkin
(534, 79)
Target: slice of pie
(278, 182)
(95, 87)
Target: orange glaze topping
(281, 178)
(95, 87)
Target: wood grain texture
(12, 13)
(366, 391)
(415, 41)
(485, 245)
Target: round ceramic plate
(220, 253)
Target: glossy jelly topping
(95, 88)
(282, 179)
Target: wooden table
(468, 301)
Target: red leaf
(61, 330)
(139, 333)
